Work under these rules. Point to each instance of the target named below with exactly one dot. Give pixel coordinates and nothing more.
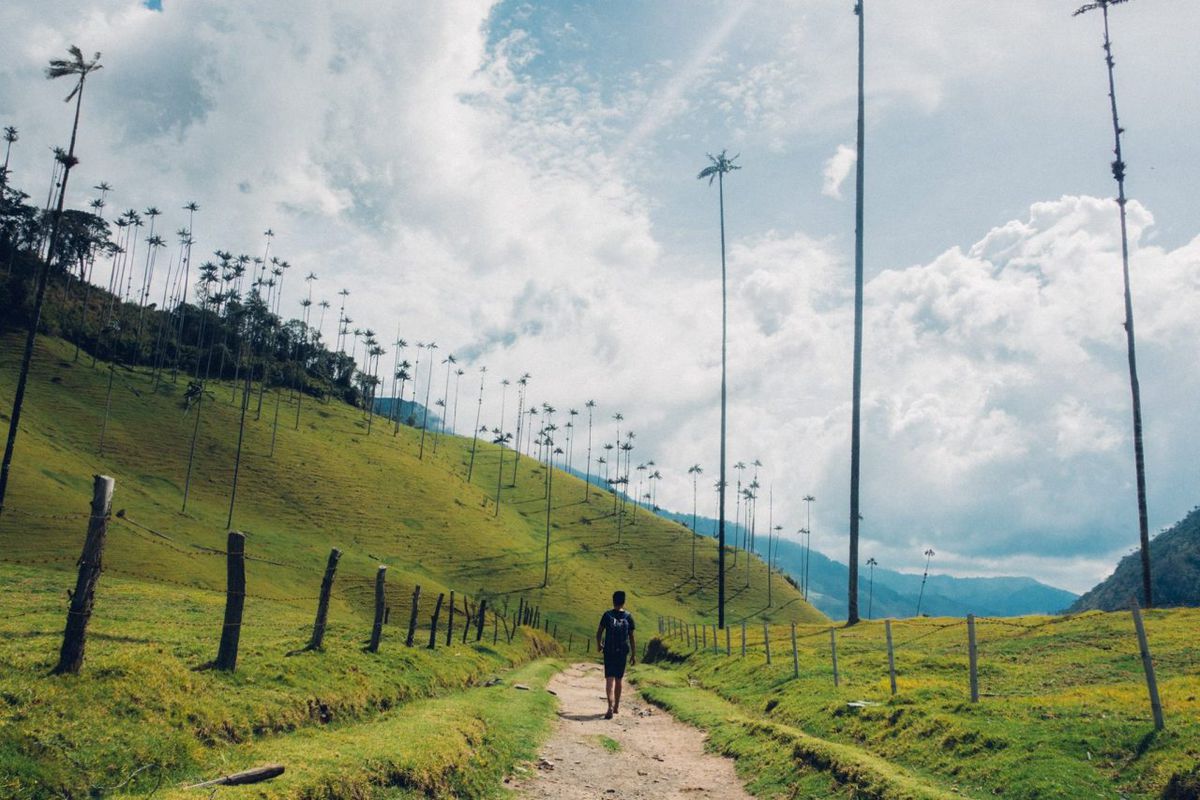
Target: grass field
(142, 700)
(1063, 710)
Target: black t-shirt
(617, 627)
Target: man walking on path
(614, 638)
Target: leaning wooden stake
(973, 658)
(377, 628)
(767, 641)
(70, 657)
(235, 601)
(466, 619)
(318, 634)
(833, 654)
(887, 627)
(479, 623)
(412, 617)
(795, 654)
(1147, 664)
(433, 628)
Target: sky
(517, 182)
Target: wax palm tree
(856, 389)
(478, 414)
(719, 167)
(737, 508)
(587, 482)
(458, 373)
(808, 501)
(428, 385)
(397, 400)
(450, 362)
(570, 426)
(608, 448)
(929, 554)
(522, 388)
(78, 68)
(695, 471)
(549, 483)
(1118, 173)
(617, 418)
(10, 137)
(500, 439)
(402, 375)
(872, 563)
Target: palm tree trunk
(36, 318)
(856, 404)
(1139, 457)
(475, 436)
(724, 398)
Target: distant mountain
(1174, 571)
(410, 412)
(895, 593)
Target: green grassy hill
(329, 484)
(1063, 710)
(1174, 571)
(140, 701)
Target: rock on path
(659, 756)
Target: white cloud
(837, 169)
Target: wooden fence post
(1147, 664)
(387, 614)
(887, 627)
(728, 649)
(743, 638)
(495, 627)
(556, 630)
(235, 601)
(479, 623)
(466, 619)
(433, 628)
(570, 640)
(520, 619)
(318, 634)
(795, 654)
(973, 658)
(70, 657)
(412, 617)
(767, 640)
(450, 622)
(833, 654)
(716, 647)
(704, 629)
(377, 628)
(695, 637)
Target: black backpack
(616, 632)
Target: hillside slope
(330, 484)
(1174, 570)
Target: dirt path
(654, 755)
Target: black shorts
(614, 663)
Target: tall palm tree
(478, 414)
(428, 385)
(402, 375)
(808, 501)
(458, 373)
(617, 417)
(737, 508)
(1118, 173)
(695, 471)
(587, 482)
(856, 390)
(79, 68)
(718, 168)
(929, 554)
(500, 439)
(872, 563)
(10, 137)
(450, 362)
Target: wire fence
(1030, 658)
(129, 548)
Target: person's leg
(608, 690)
(616, 704)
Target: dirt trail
(658, 757)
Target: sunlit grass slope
(329, 484)
(1063, 712)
